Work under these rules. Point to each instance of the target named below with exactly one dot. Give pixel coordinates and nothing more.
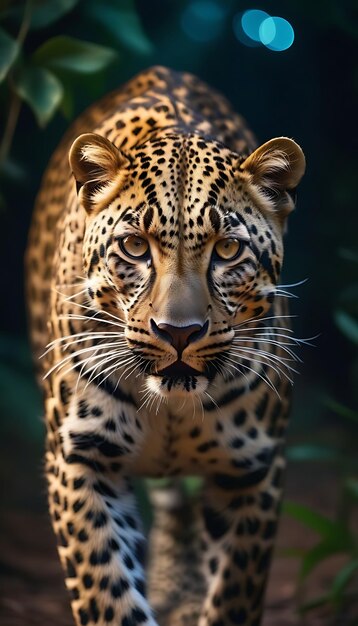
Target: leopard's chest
(181, 438)
(201, 444)
(188, 437)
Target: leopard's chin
(177, 386)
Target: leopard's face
(184, 245)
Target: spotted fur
(174, 364)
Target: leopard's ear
(97, 166)
(275, 169)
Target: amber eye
(227, 249)
(134, 246)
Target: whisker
(254, 359)
(202, 408)
(117, 354)
(69, 285)
(114, 367)
(269, 336)
(147, 394)
(118, 365)
(263, 327)
(300, 282)
(86, 318)
(145, 366)
(194, 407)
(263, 319)
(133, 369)
(74, 295)
(87, 360)
(117, 319)
(213, 401)
(60, 364)
(292, 356)
(150, 405)
(263, 376)
(160, 401)
(284, 294)
(89, 333)
(284, 361)
(296, 340)
(226, 364)
(85, 336)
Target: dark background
(309, 93)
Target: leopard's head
(183, 243)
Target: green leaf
(341, 410)
(312, 519)
(67, 105)
(312, 452)
(315, 603)
(347, 324)
(9, 49)
(348, 254)
(73, 55)
(49, 11)
(342, 580)
(333, 545)
(122, 21)
(41, 90)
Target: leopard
(162, 342)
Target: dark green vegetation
(57, 56)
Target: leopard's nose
(179, 336)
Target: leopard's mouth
(179, 376)
(178, 371)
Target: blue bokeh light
(276, 33)
(255, 27)
(251, 21)
(267, 31)
(203, 20)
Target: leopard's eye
(134, 246)
(228, 249)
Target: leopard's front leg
(101, 545)
(94, 515)
(240, 526)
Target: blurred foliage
(338, 535)
(46, 75)
(335, 537)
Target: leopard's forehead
(182, 188)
